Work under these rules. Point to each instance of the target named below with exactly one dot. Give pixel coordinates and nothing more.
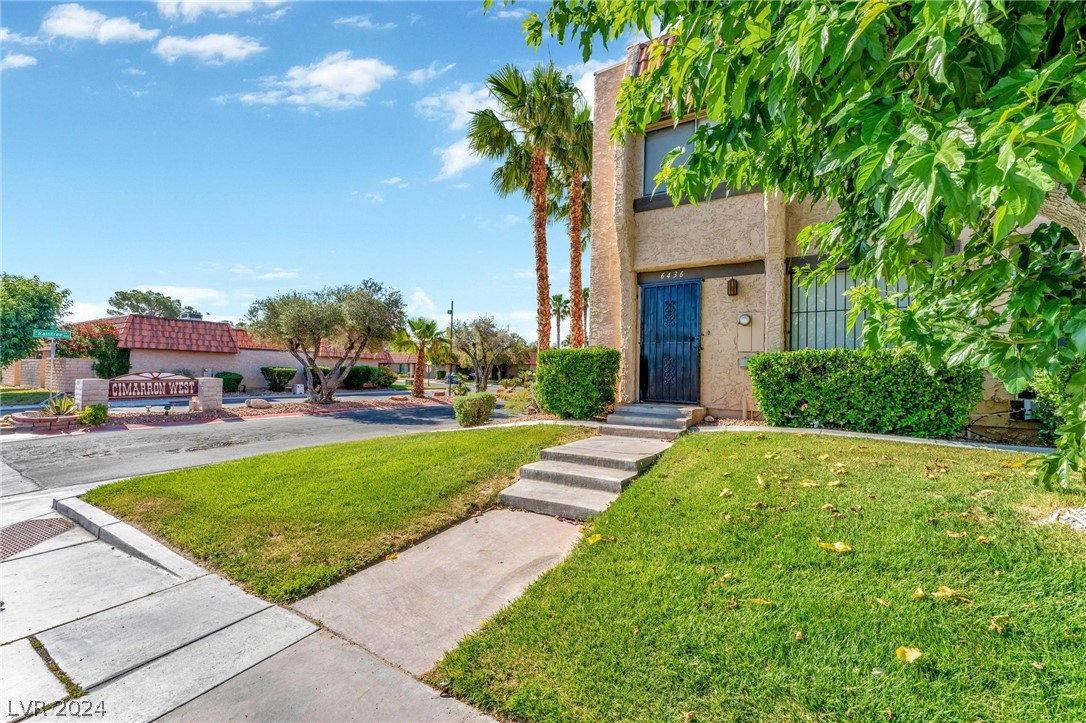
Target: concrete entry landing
(412, 609)
(652, 421)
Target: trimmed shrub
(231, 381)
(94, 415)
(888, 391)
(576, 383)
(278, 377)
(474, 409)
(1051, 392)
(440, 373)
(359, 376)
(386, 377)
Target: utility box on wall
(751, 335)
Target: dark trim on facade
(743, 268)
(794, 262)
(663, 200)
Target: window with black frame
(819, 312)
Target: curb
(968, 444)
(126, 538)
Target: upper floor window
(819, 313)
(659, 143)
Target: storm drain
(24, 535)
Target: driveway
(84, 459)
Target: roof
(196, 335)
(402, 357)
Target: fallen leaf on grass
(1012, 464)
(760, 601)
(1038, 666)
(762, 482)
(838, 547)
(726, 492)
(983, 540)
(594, 539)
(799, 635)
(999, 622)
(834, 483)
(391, 556)
(809, 483)
(884, 603)
(689, 716)
(919, 594)
(951, 533)
(944, 593)
(823, 457)
(908, 655)
(984, 493)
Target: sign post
(52, 335)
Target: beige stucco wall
(725, 230)
(59, 374)
(604, 312)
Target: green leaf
(936, 53)
(990, 35)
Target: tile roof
(196, 335)
(402, 357)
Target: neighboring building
(687, 293)
(203, 348)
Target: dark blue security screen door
(671, 342)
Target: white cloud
(522, 321)
(414, 18)
(511, 219)
(189, 10)
(214, 49)
(456, 159)
(191, 295)
(261, 275)
(133, 71)
(72, 20)
(394, 181)
(422, 75)
(12, 61)
(86, 311)
(373, 197)
(276, 14)
(455, 106)
(10, 37)
(512, 14)
(365, 22)
(421, 304)
(523, 274)
(584, 77)
(461, 186)
(277, 274)
(337, 82)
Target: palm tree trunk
(416, 385)
(576, 293)
(542, 281)
(558, 330)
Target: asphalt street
(62, 461)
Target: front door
(671, 342)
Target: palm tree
(560, 305)
(573, 157)
(584, 302)
(532, 115)
(422, 337)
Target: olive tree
(484, 344)
(950, 135)
(341, 321)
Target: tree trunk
(542, 280)
(417, 387)
(558, 331)
(576, 293)
(482, 377)
(1069, 213)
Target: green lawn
(665, 618)
(20, 395)
(290, 523)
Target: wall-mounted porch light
(733, 286)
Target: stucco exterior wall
(724, 385)
(603, 311)
(718, 231)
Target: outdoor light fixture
(744, 319)
(733, 286)
(167, 408)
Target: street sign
(52, 334)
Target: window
(819, 313)
(658, 144)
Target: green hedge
(231, 381)
(278, 377)
(474, 409)
(576, 383)
(1051, 392)
(888, 391)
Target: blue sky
(222, 151)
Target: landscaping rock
(258, 404)
(400, 398)
(709, 419)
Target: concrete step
(640, 431)
(578, 475)
(548, 498)
(634, 455)
(644, 420)
(662, 410)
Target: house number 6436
(672, 275)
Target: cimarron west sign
(152, 385)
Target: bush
(474, 409)
(360, 376)
(1051, 392)
(521, 402)
(278, 377)
(576, 383)
(231, 381)
(888, 391)
(94, 415)
(509, 383)
(386, 377)
(440, 373)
